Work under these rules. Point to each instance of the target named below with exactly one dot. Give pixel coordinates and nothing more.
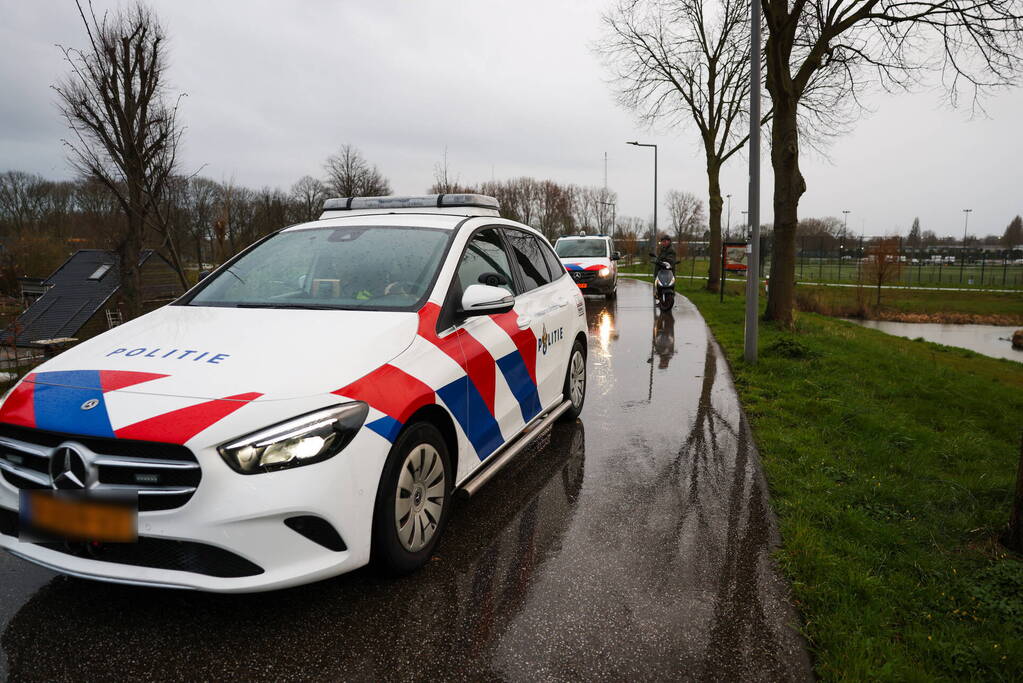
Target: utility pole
(642, 144)
(962, 253)
(753, 262)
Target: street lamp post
(728, 230)
(845, 227)
(745, 221)
(614, 209)
(962, 264)
(642, 144)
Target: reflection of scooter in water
(664, 338)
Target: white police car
(591, 260)
(309, 407)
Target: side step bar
(498, 461)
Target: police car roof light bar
(432, 201)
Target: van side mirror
(486, 300)
(616, 256)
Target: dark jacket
(667, 254)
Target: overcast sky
(509, 87)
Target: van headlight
(604, 272)
(303, 440)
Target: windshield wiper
(311, 307)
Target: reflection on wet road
(632, 544)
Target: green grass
(891, 464)
(993, 307)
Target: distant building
(80, 299)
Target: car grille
(165, 476)
(584, 275)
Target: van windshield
(581, 248)
(372, 268)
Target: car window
(529, 255)
(581, 248)
(485, 262)
(375, 268)
(556, 268)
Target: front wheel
(575, 382)
(413, 500)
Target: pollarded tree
(833, 48)
(677, 61)
(126, 136)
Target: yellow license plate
(80, 519)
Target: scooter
(664, 284)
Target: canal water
(990, 340)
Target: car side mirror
(486, 300)
(616, 256)
(203, 274)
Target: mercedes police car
(591, 260)
(308, 408)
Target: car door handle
(524, 321)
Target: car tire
(413, 500)
(613, 292)
(572, 375)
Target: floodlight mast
(753, 264)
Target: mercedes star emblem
(90, 404)
(68, 469)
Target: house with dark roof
(80, 298)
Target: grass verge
(891, 466)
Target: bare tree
(676, 61)
(836, 48)
(444, 182)
(686, 212)
(125, 132)
(308, 194)
(350, 175)
(883, 263)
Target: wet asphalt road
(633, 544)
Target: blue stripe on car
(521, 384)
(467, 405)
(58, 408)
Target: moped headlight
(303, 440)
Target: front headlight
(303, 440)
(604, 272)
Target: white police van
(310, 406)
(592, 262)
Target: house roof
(77, 290)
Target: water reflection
(664, 338)
(600, 318)
(432, 624)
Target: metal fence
(831, 260)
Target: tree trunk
(789, 186)
(715, 203)
(1014, 534)
(128, 252)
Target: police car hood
(586, 263)
(212, 352)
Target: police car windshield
(581, 248)
(372, 268)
